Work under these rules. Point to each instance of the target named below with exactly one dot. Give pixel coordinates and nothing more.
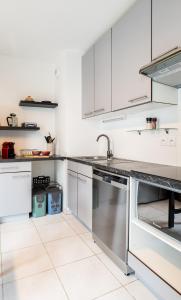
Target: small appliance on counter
(8, 150)
(12, 120)
(29, 125)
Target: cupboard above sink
(110, 68)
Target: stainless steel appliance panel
(110, 212)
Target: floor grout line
(61, 283)
(54, 268)
(105, 294)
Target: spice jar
(148, 123)
(154, 123)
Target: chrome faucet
(109, 152)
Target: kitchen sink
(93, 158)
(113, 161)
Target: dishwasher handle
(113, 179)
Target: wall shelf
(139, 131)
(37, 104)
(8, 128)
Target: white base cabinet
(80, 192)
(15, 189)
(72, 192)
(85, 200)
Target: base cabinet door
(85, 200)
(72, 192)
(15, 193)
(131, 49)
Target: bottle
(148, 123)
(154, 123)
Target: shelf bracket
(139, 132)
(166, 130)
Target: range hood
(165, 69)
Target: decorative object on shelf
(43, 104)
(151, 123)
(29, 125)
(139, 131)
(50, 144)
(12, 120)
(29, 99)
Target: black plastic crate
(41, 181)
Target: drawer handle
(9, 168)
(99, 110)
(138, 99)
(20, 176)
(89, 113)
(81, 179)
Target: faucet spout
(109, 152)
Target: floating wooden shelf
(18, 128)
(139, 131)
(37, 104)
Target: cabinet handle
(72, 175)
(138, 99)
(81, 179)
(20, 176)
(99, 110)
(88, 114)
(9, 168)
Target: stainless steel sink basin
(113, 161)
(93, 158)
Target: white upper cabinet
(88, 83)
(166, 23)
(131, 49)
(103, 74)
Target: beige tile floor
(54, 257)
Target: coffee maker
(8, 150)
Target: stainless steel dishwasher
(111, 216)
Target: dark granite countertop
(24, 159)
(168, 176)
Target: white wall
(78, 137)
(18, 79)
(75, 136)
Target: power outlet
(172, 141)
(164, 141)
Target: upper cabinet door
(131, 49)
(103, 74)
(88, 83)
(166, 22)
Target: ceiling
(43, 28)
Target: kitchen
(55, 71)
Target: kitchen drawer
(72, 165)
(85, 170)
(11, 167)
(15, 193)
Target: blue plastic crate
(54, 199)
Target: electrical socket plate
(164, 141)
(172, 141)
